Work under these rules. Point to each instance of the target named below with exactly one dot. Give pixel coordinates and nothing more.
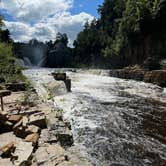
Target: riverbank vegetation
(10, 70)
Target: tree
(61, 38)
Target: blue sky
(88, 6)
(43, 19)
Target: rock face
(156, 76)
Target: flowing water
(116, 122)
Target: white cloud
(42, 19)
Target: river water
(116, 122)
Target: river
(117, 122)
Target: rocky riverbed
(113, 121)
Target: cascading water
(116, 121)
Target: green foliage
(9, 67)
(61, 38)
(119, 28)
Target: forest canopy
(127, 32)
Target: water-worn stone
(23, 153)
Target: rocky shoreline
(156, 76)
(34, 133)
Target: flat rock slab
(49, 156)
(8, 138)
(14, 118)
(6, 162)
(46, 137)
(23, 153)
(38, 120)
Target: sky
(43, 19)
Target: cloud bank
(42, 19)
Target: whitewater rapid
(115, 121)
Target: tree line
(127, 32)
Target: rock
(46, 137)
(38, 120)
(157, 76)
(6, 138)
(32, 129)
(20, 132)
(32, 138)
(7, 127)
(6, 162)
(25, 121)
(3, 118)
(7, 149)
(68, 84)
(76, 156)
(18, 124)
(5, 93)
(59, 76)
(51, 155)
(23, 153)
(15, 118)
(64, 136)
(16, 86)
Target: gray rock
(23, 153)
(38, 120)
(51, 155)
